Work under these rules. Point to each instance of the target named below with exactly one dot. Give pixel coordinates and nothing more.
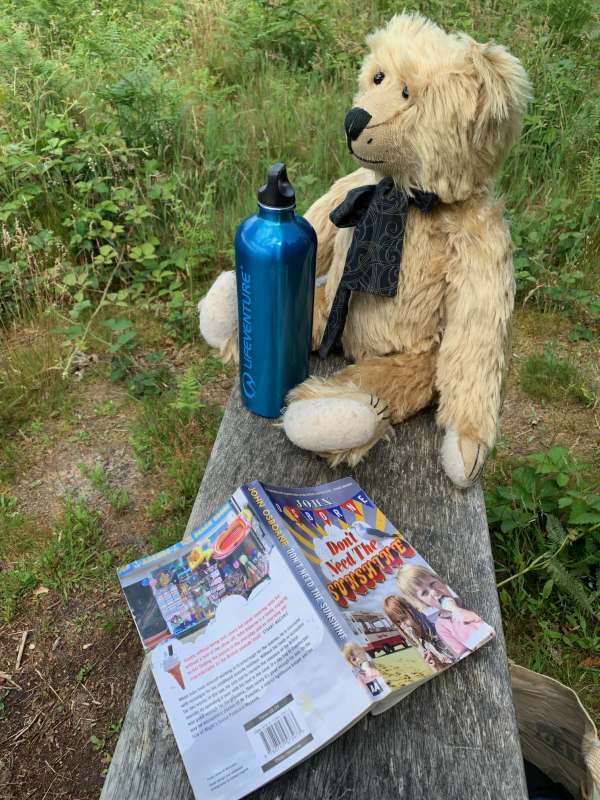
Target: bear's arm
(478, 303)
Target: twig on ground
(94, 701)
(4, 676)
(51, 785)
(531, 292)
(21, 650)
(106, 658)
(540, 562)
(50, 728)
(112, 652)
(18, 734)
(52, 689)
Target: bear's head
(436, 111)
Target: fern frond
(554, 530)
(187, 399)
(571, 586)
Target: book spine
(299, 565)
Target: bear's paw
(217, 311)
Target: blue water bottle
(275, 254)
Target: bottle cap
(277, 192)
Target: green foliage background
(134, 136)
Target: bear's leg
(463, 458)
(343, 416)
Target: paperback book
(282, 621)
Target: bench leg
(343, 416)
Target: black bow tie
(378, 214)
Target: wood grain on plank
(455, 738)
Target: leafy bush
(135, 138)
(546, 526)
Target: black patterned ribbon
(378, 213)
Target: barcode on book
(278, 732)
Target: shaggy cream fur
(442, 120)
(330, 424)
(217, 312)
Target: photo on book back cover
(408, 624)
(251, 676)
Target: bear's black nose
(356, 121)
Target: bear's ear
(503, 95)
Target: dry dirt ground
(68, 695)
(529, 425)
(62, 700)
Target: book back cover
(251, 678)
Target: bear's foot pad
(338, 428)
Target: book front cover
(408, 624)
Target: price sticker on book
(278, 732)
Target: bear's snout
(355, 122)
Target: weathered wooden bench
(455, 738)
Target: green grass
(172, 440)
(31, 385)
(546, 377)
(172, 433)
(107, 408)
(118, 498)
(63, 558)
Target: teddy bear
(416, 282)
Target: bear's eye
(378, 77)
(405, 92)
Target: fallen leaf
(41, 590)
(6, 678)
(591, 662)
